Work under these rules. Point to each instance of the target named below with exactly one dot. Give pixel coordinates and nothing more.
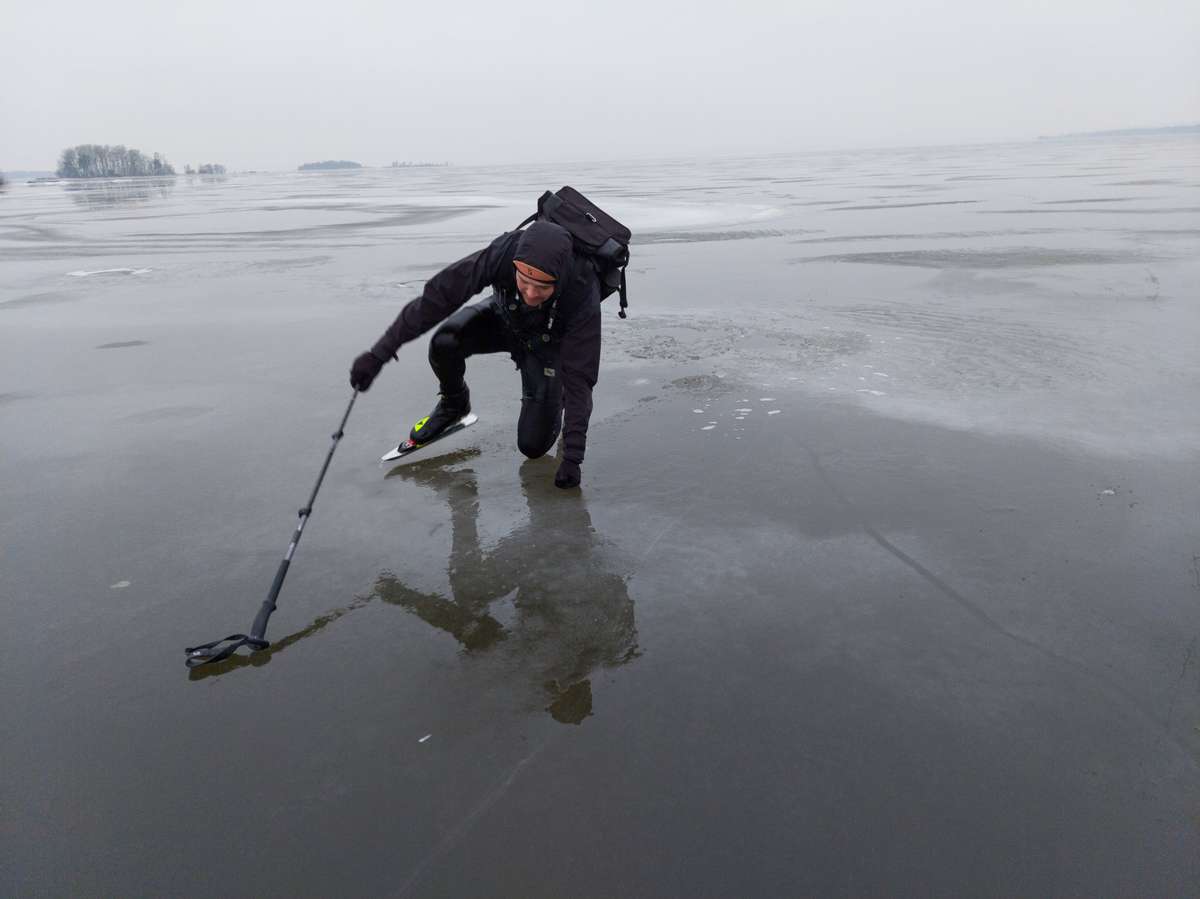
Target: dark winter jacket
(575, 335)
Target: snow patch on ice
(654, 217)
(112, 271)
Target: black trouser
(481, 329)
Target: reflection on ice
(545, 598)
(571, 614)
(115, 192)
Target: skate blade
(408, 447)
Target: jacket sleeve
(445, 292)
(579, 365)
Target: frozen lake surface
(884, 577)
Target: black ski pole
(218, 650)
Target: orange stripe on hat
(533, 274)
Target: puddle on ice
(112, 271)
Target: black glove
(568, 475)
(364, 370)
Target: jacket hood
(548, 247)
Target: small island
(330, 164)
(104, 161)
(1165, 131)
(206, 168)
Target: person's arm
(579, 367)
(445, 292)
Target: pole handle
(259, 628)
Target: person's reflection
(571, 615)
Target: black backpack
(597, 235)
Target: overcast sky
(269, 85)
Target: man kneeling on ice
(544, 312)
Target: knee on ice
(534, 449)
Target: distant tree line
(104, 161)
(330, 164)
(207, 168)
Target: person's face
(534, 293)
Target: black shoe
(450, 408)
